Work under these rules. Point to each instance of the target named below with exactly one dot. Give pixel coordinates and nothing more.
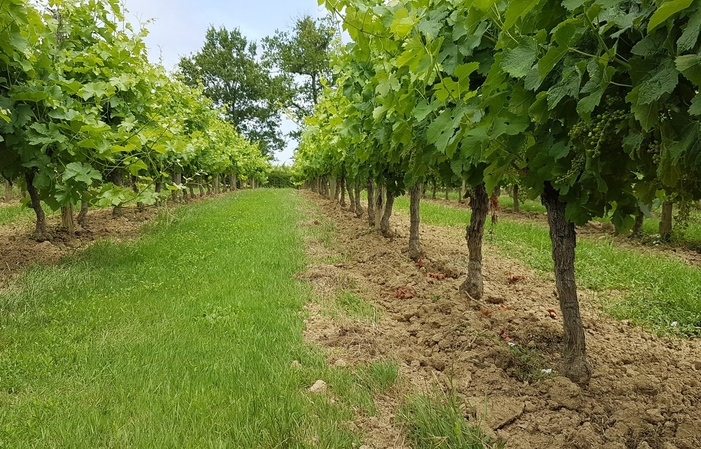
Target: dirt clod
(644, 388)
(319, 387)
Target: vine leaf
(667, 10)
(690, 67)
(519, 60)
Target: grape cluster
(654, 149)
(601, 130)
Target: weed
(438, 420)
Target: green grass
(184, 338)
(12, 212)
(662, 293)
(437, 420)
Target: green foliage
(438, 421)
(82, 108)
(303, 52)
(280, 177)
(570, 94)
(227, 69)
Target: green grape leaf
(571, 5)
(690, 67)
(695, 108)
(81, 173)
(688, 39)
(646, 114)
(665, 11)
(518, 9)
(664, 80)
(440, 131)
(136, 167)
(519, 60)
(402, 23)
(551, 58)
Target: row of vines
(86, 119)
(592, 105)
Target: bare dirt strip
(645, 391)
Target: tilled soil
(645, 391)
(18, 250)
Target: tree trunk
(387, 213)
(379, 205)
(351, 198)
(564, 241)
(666, 221)
(638, 225)
(135, 189)
(358, 206)
(335, 195)
(461, 196)
(83, 214)
(177, 180)
(415, 250)
(517, 204)
(447, 193)
(8, 191)
(118, 180)
(67, 219)
(233, 181)
(217, 185)
(191, 186)
(371, 204)
(40, 233)
(433, 195)
(342, 188)
(474, 285)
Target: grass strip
(184, 338)
(659, 292)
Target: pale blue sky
(179, 25)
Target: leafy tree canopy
(303, 56)
(231, 75)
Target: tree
(228, 69)
(303, 55)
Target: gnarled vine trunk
(332, 190)
(415, 250)
(666, 221)
(638, 224)
(564, 240)
(40, 233)
(342, 188)
(118, 180)
(517, 203)
(177, 180)
(67, 219)
(473, 286)
(83, 214)
(351, 198)
(8, 191)
(461, 196)
(358, 207)
(371, 203)
(233, 181)
(387, 214)
(379, 205)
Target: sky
(179, 27)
